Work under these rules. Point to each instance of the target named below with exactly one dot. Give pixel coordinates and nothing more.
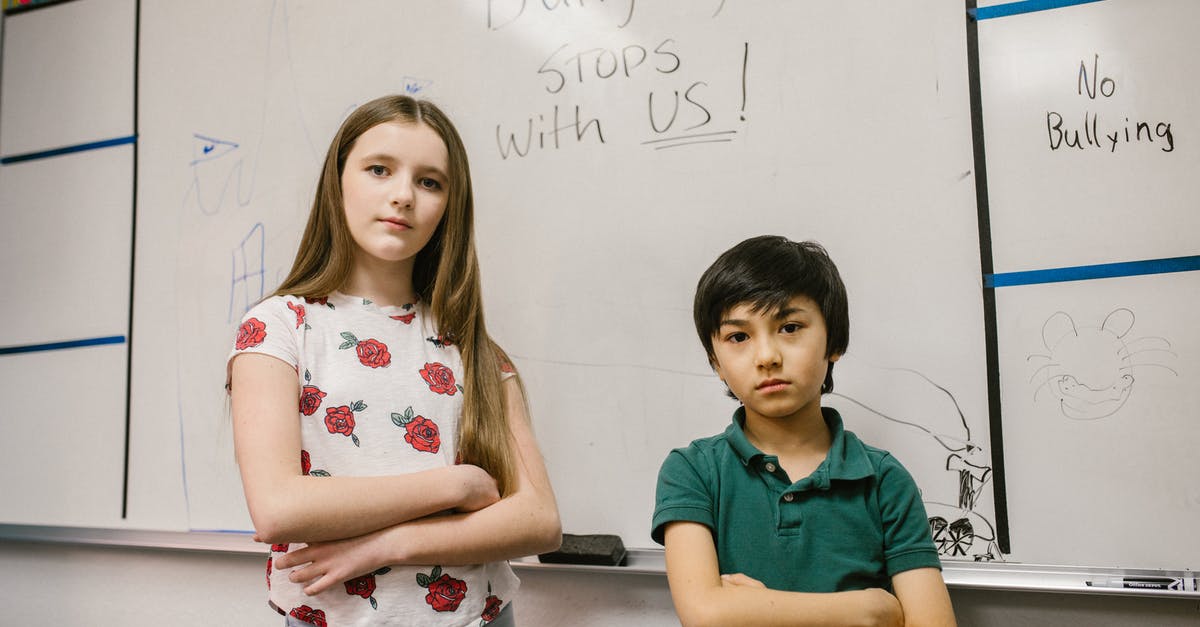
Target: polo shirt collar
(847, 458)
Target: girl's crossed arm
(287, 506)
(522, 523)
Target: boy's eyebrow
(778, 315)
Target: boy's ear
(834, 357)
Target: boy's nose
(767, 354)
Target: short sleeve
(683, 494)
(269, 328)
(907, 542)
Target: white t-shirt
(380, 395)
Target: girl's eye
(429, 183)
(377, 170)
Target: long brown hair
(445, 274)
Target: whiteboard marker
(1146, 583)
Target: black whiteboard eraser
(591, 550)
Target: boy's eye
(377, 170)
(791, 327)
(737, 338)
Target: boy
(786, 518)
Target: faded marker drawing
(959, 530)
(216, 166)
(1089, 371)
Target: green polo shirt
(850, 525)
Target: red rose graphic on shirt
(280, 548)
(440, 379)
(251, 333)
(405, 318)
(305, 462)
(299, 311)
(310, 399)
(371, 352)
(324, 300)
(365, 586)
(421, 432)
(269, 560)
(362, 586)
(341, 419)
(445, 592)
(491, 608)
(309, 615)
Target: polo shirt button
(770, 467)
(789, 497)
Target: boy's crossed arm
(703, 597)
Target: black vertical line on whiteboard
(989, 293)
(137, 37)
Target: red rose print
(440, 379)
(507, 367)
(324, 300)
(405, 318)
(310, 399)
(341, 419)
(373, 353)
(305, 462)
(269, 560)
(280, 548)
(251, 333)
(445, 592)
(309, 615)
(422, 434)
(299, 311)
(362, 586)
(491, 608)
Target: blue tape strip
(54, 346)
(54, 152)
(1025, 6)
(1100, 271)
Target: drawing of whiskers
(1089, 370)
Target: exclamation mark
(745, 61)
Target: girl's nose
(402, 195)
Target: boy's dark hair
(768, 271)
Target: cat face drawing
(1089, 370)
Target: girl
(382, 437)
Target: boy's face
(774, 361)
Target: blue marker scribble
(216, 165)
(247, 275)
(414, 86)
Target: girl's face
(394, 189)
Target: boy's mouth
(772, 385)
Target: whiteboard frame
(958, 575)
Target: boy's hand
(479, 488)
(881, 606)
(738, 579)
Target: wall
(49, 584)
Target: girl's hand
(322, 565)
(479, 488)
(738, 579)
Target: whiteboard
(617, 149)
(1091, 162)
